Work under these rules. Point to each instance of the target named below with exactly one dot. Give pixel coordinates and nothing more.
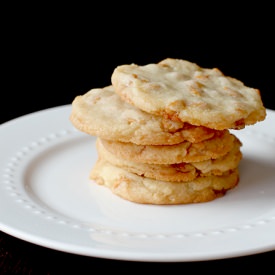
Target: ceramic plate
(46, 198)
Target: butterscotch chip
(176, 172)
(101, 112)
(144, 190)
(183, 91)
(219, 145)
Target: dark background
(52, 54)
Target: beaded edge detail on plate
(20, 195)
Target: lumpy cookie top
(183, 91)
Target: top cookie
(183, 91)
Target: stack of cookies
(163, 131)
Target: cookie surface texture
(183, 91)
(101, 112)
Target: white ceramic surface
(46, 198)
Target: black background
(52, 54)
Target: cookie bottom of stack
(139, 189)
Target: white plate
(46, 198)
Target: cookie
(183, 91)
(176, 172)
(219, 145)
(101, 112)
(143, 190)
